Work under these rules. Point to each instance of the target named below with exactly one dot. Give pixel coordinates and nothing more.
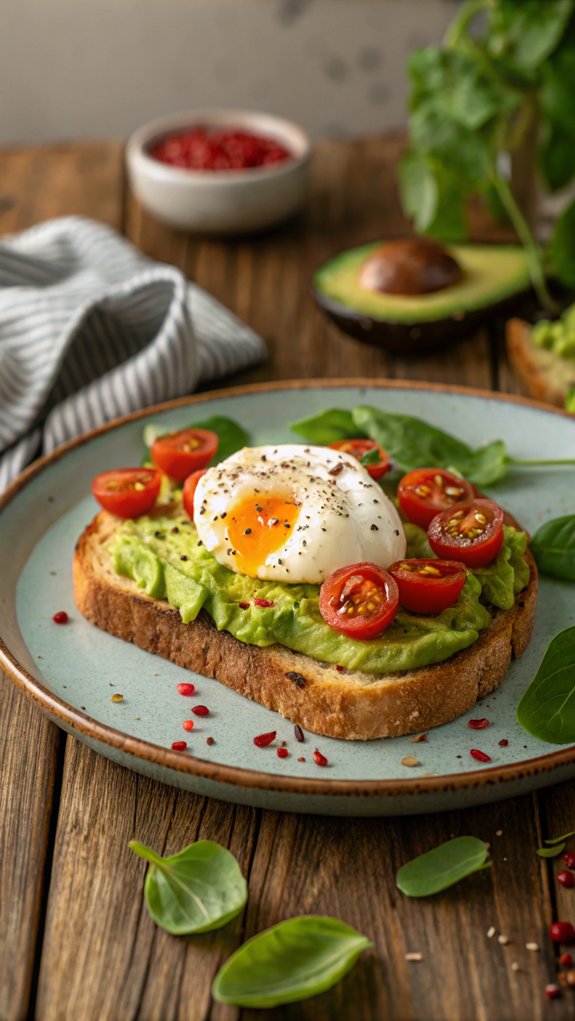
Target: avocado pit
(409, 267)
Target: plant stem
(527, 240)
(468, 12)
(536, 462)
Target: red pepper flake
(264, 602)
(298, 733)
(552, 991)
(418, 738)
(244, 606)
(61, 617)
(319, 759)
(341, 669)
(569, 859)
(188, 724)
(566, 960)
(282, 753)
(179, 746)
(301, 758)
(210, 740)
(503, 743)
(480, 756)
(186, 689)
(201, 710)
(263, 740)
(478, 724)
(566, 878)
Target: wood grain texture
(101, 957)
(30, 751)
(37, 183)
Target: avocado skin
(418, 336)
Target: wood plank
(30, 758)
(74, 179)
(104, 959)
(35, 184)
(346, 868)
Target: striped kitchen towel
(91, 329)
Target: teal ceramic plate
(73, 671)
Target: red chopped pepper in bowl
(219, 171)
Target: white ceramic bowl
(219, 201)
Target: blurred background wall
(99, 68)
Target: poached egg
(295, 514)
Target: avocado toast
(116, 564)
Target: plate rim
(89, 727)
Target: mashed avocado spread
(162, 554)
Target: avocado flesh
(491, 274)
(150, 550)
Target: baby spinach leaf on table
(443, 866)
(561, 839)
(293, 960)
(231, 435)
(547, 709)
(550, 852)
(553, 547)
(197, 890)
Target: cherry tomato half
(358, 448)
(179, 454)
(189, 491)
(471, 532)
(360, 600)
(127, 492)
(424, 492)
(427, 585)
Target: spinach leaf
(413, 443)
(530, 30)
(197, 890)
(231, 436)
(291, 961)
(553, 547)
(570, 400)
(443, 866)
(561, 839)
(547, 709)
(327, 427)
(550, 852)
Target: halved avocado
(359, 290)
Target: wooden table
(75, 939)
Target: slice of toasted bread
(545, 375)
(318, 696)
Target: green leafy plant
(443, 866)
(547, 709)
(293, 960)
(553, 546)
(570, 400)
(505, 71)
(197, 890)
(412, 443)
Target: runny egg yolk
(259, 526)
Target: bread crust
(545, 375)
(317, 696)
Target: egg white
(344, 518)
